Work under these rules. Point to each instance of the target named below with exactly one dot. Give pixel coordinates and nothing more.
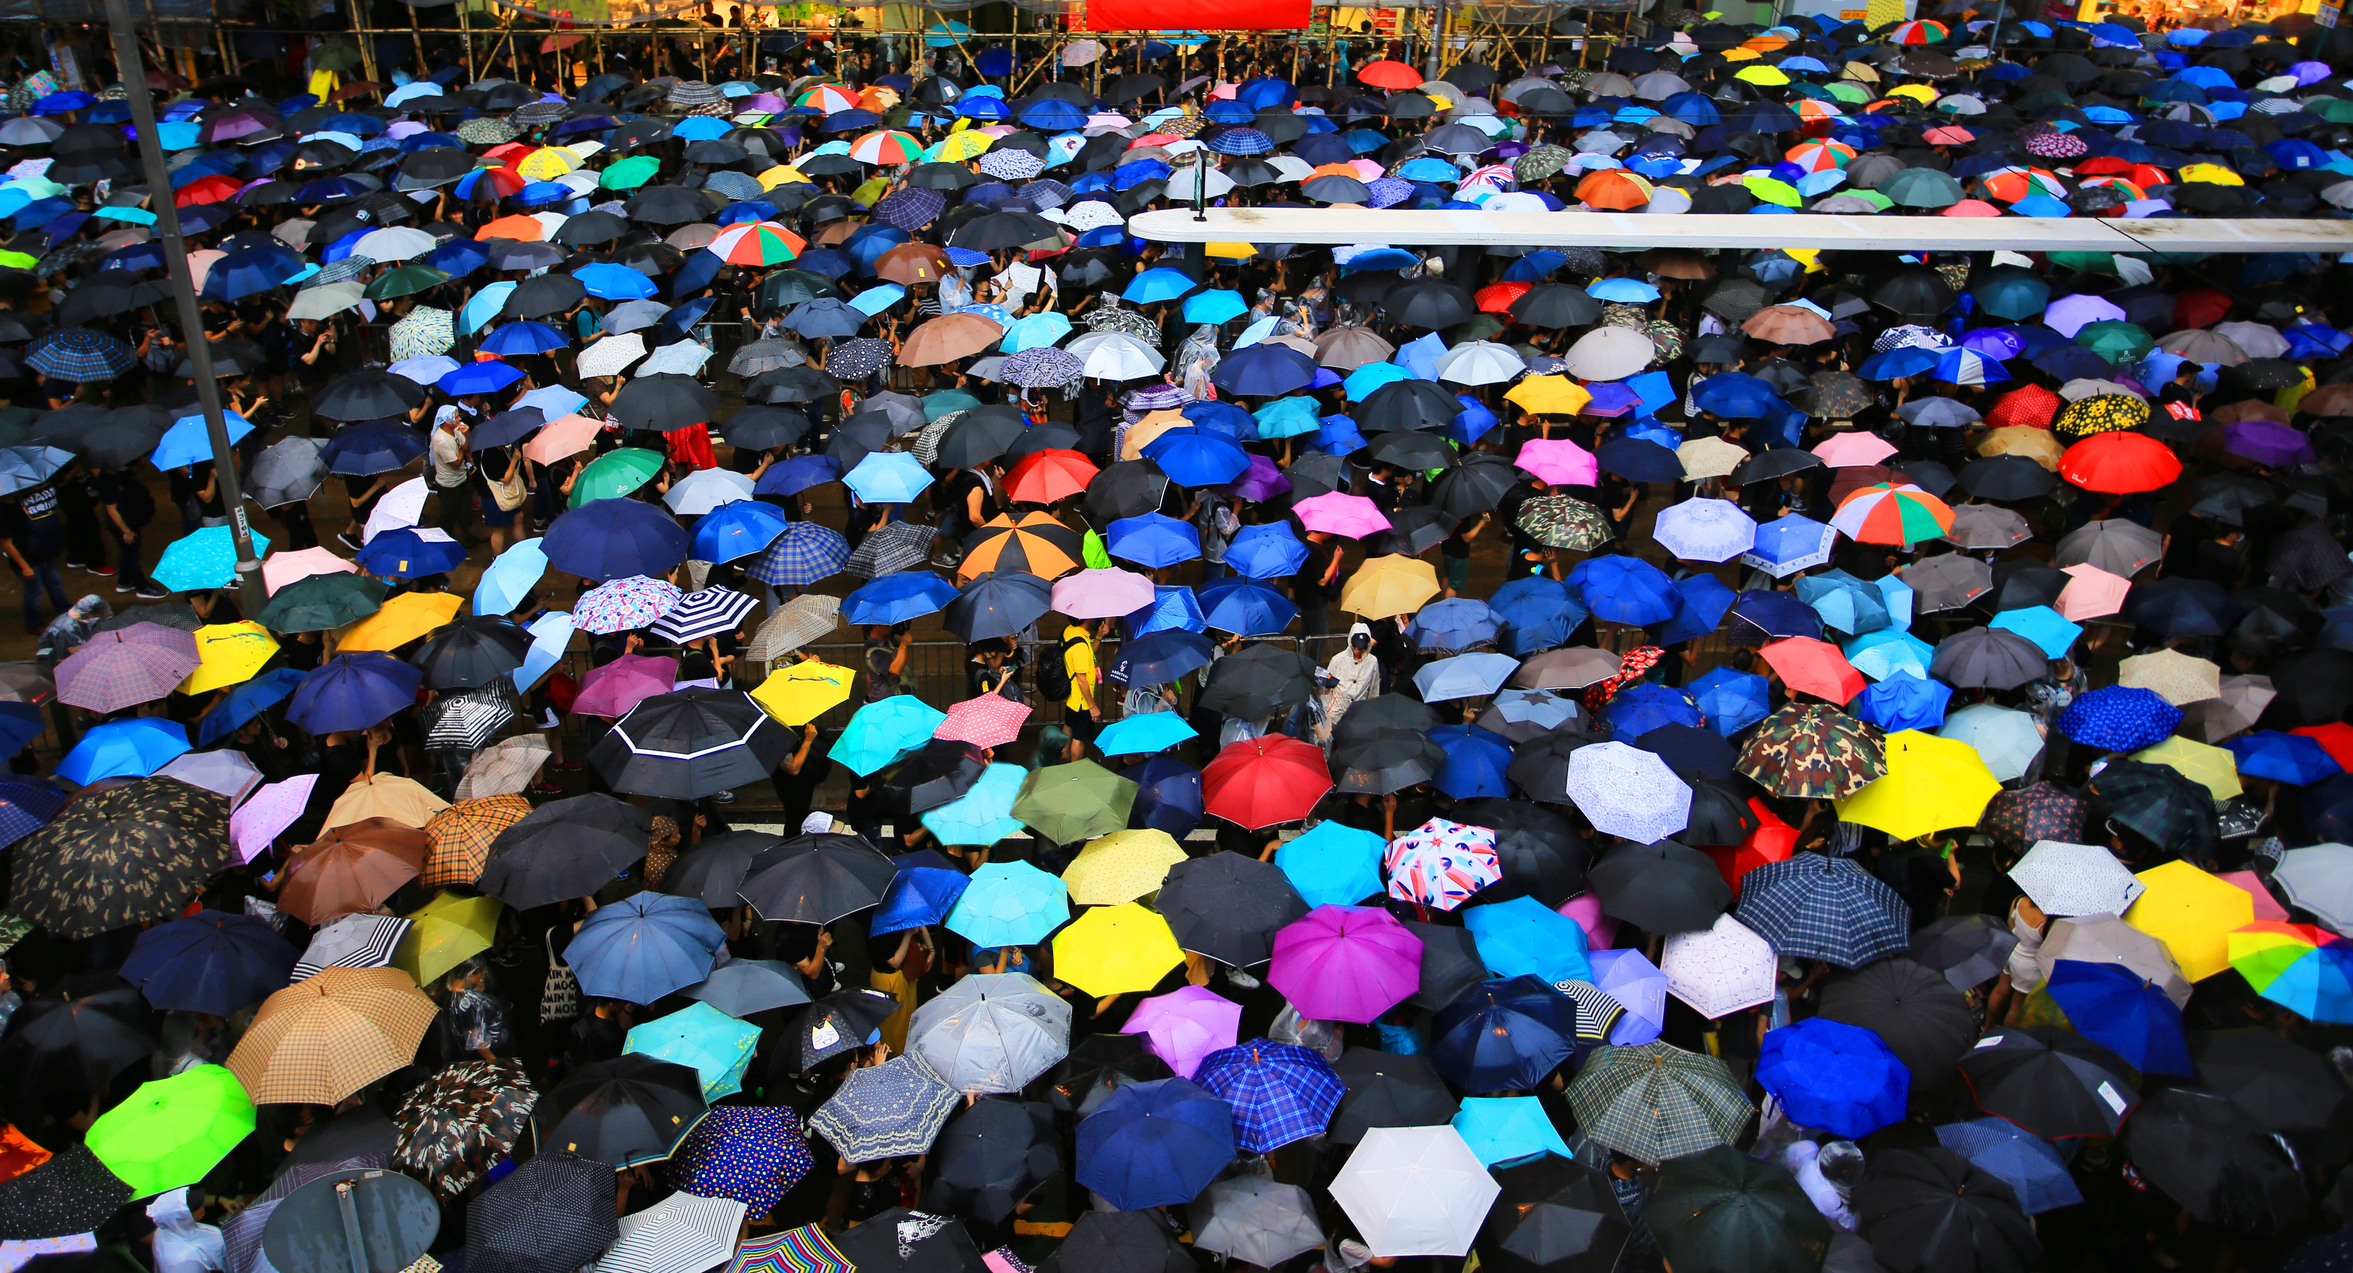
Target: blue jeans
(44, 576)
(1212, 570)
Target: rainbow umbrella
(2303, 968)
(756, 243)
(1892, 514)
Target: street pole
(250, 595)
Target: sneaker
(344, 537)
(74, 565)
(103, 572)
(121, 588)
(568, 766)
(151, 592)
(723, 797)
(546, 788)
(1242, 979)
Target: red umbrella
(2335, 738)
(1772, 841)
(1042, 477)
(1496, 298)
(1814, 667)
(213, 189)
(1259, 782)
(2029, 404)
(2120, 463)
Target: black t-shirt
(31, 522)
(129, 497)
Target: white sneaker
(1242, 979)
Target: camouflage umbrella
(2044, 811)
(1838, 395)
(2103, 413)
(1814, 752)
(459, 1122)
(1563, 522)
(1541, 161)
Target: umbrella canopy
(1415, 1191)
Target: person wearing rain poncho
(182, 1245)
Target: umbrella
(1279, 1092)
(1074, 801)
(1815, 752)
(1932, 1209)
(1913, 1009)
(353, 868)
(1441, 864)
(68, 1193)
(1814, 907)
(1184, 1025)
(2033, 1169)
(457, 1123)
(903, 1241)
(1654, 1102)
(1505, 1035)
(174, 1131)
(2052, 1083)
(1115, 949)
(212, 962)
(1720, 970)
(1835, 1077)
(1722, 1209)
(991, 1156)
(883, 1111)
(565, 849)
(326, 1036)
(991, 1032)
(1662, 887)
(625, 1111)
(644, 947)
(1255, 1220)
(1156, 1143)
(1503, 1129)
(1228, 907)
(815, 879)
(1415, 1191)
(121, 855)
(1009, 904)
(552, 1213)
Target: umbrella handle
(349, 1210)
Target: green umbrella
(335, 55)
(1721, 1209)
(1656, 1102)
(630, 173)
(615, 474)
(1563, 522)
(323, 602)
(1077, 801)
(173, 1131)
(2117, 341)
(941, 402)
(402, 280)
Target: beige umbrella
(1570, 669)
(1789, 325)
(2232, 711)
(687, 238)
(1386, 587)
(948, 338)
(796, 623)
(1142, 433)
(325, 1037)
(1611, 353)
(1344, 349)
(403, 800)
(2034, 443)
(1708, 457)
(2175, 676)
(2088, 387)
(504, 768)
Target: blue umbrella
(608, 539)
(898, 597)
(1475, 762)
(2030, 1165)
(615, 282)
(1538, 613)
(405, 553)
(1155, 1144)
(2124, 1012)
(458, 257)
(2292, 758)
(1173, 608)
(1457, 623)
(1010, 904)
(1168, 795)
(353, 691)
(1337, 435)
(244, 702)
(1904, 701)
(1246, 608)
(1844, 602)
(1640, 708)
(1620, 589)
(1836, 1077)
(1761, 615)
(362, 450)
(1504, 1035)
(1286, 418)
(1268, 550)
(1195, 456)
(2120, 718)
(1734, 395)
(1524, 937)
(1464, 676)
(213, 962)
(1263, 371)
(131, 748)
(1730, 700)
(1888, 652)
(1501, 1129)
(527, 338)
(479, 377)
(887, 477)
(1790, 544)
(189, 441)
(884, 730)
(1158, 658)
(1159, 284)
(1214, 306)
(511, 576)
(1639, 460)
(797, 474)
(802, 554)
(983, 815)
(204, 559)
(922, 893)
(1333, 865)
(1143, 735)
(1703, 605)
(2043, 626)
(644, 947)
(737, 528)
(1153, 540)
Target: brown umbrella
(1789, 325)
(460, 835)
(325, 1037)
(1676, 263)
(353, 868)
(2035, 444)
(1569, 669)
(912, 263)
(1344, 349)
(2329, 400)
(948, 338)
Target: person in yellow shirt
(1084, 708)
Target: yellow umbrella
(449, 930)
(2215, 173)
(1144, 432)
(1386, 587)
(547, 163)
(1931, 783)
(385, 796)
(231, 652)
(1224, 251)
(1549, 395)
(1121, 867)
(1920, 93)
(401, 619)
(962, 146)
(2213, 768)
(2035, 444)
(2193, 913)
(803, 692)
(1769, 76)
(1115, 949)
(783, 175)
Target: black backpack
(1054, 673)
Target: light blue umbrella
(553, 401)
(1360, 383)
(205, 559)
(1845, 603)
(1145, 734)
(131, 748)
(481, 309)
(1525, 937)
(644, 947)
(714, 1045)
(28, 466)
(1009, 904)
(888, 477)
(2005, 739)
(1705, 530)
(550, 634)
(876, 298)
(1173, 606)
(983, 815)
(2030, 1165)
(1501, 1129)
(1036, 331)
(1884, 653)
(1333, 865)
(1464, 676)
(1287, 418)
(2043, 626)
(510, 578)
(1898, 596)
(1214, 306)
(884, 730)
(1731, 701)
(1457, 623)
(1421, 354)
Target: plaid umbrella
(1813, 907)
(465, 722)
(986, 721)
(80, 355)
(2157, 803)
(631, 602)
(802, 1250)
(1814, 752)
(426, 331)
(892, 547)
(795, 624)
(858, 359)
(504, 768)
(1280, 1092)
(704, 612)
(1654, 1102)
(884, 1111)
(805, 553)
(459, 1122)
(1562, 522)
(1046, 368)
(325, 1037)
(126, 667)
(910, 208)
(461, 834)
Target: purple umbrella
(1639, 987)
(2268, 443)
(126, 667)
(1262, 480)
(1345, 963)
(1185, 1025)
(261, 820)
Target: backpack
(1054, 673)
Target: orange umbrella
(518, 226)
(352, 869)
(1042, 477)
(948, 338)
(327, 1036)
(460, 837)
(1614, 189)
(1037, 544)
(1814, 667)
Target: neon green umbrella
(615, 474)
(173, 1131)
(630, 173)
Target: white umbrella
(394, 243)
(1610, 353)
(1415, 1191)
(326, 300)
(2007, 740)
(612, 355)
(685, 358)
(1720, 971)
(1705, 530)
(2076, 879)
(1119, 357)
(1180, 185)
(1255, 1220)
(227, 772)
(705, 489)
(425, 370)
(992, 1032)
(683, 1233)
(402, 506)
(1626, 791)
(796, 623)
(1289, 167)
(1480, 362)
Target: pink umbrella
(2266, 906)
(127, 667)
(987, 721)
(1854, 450)
(1345, 963)
(1559, 462)
(1350, 515)
(1102, 594)
(1185, 1025)
(625, 682)
(562, 436)
(2092, 594)
(1600, 930)
(259, 822)
(284, 568)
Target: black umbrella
(1129, 488)
(933, 775)
(471, 652)
(1258, 682)
(1721, 1209)
(1381, 761)
(998, 604)
(355, 1133)
(1541, 854)
(2007, 477)
(74, 1046)
(854, 439)
(1229, 907)
(1387, 711)
(991, 1156)
(741, 987)
(2315, 686)
(2273, 622)
(667, 205)
(1720, 815)
(663, 402)
(546, 294)
(1988, 658)
(1555, 1215)
(2278, 1085)
(816, 879)
(2156, 803)
(1414, 529)
(838, 1023)
(370, 393)
(981, 435)
(1388, 1090)
(1451, 964)
(1410, 449)
(760, 427)
(903, 1241)
(1406, 406)
(1933, 1211)
(314, 1227)
(2204, 1151)
(1429, 303)
(565, 849)
(691, 743)
(1967, 949)
(2052, 1082)
(1540, 767)
(713, 870)
(999, 230)
(1556, 305)
(1919, 1015)
(1660, 888)
(550, 1215)
(1099, 1065)
(787, 385)
(1476, 486)
(1118, 1242)
(70, 1193)
(629, 1110)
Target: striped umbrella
(756, 243)
(802, 1250)
(465, 722)
(888, 146)
(703, 613)
(354, 941)
(1887, 513)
